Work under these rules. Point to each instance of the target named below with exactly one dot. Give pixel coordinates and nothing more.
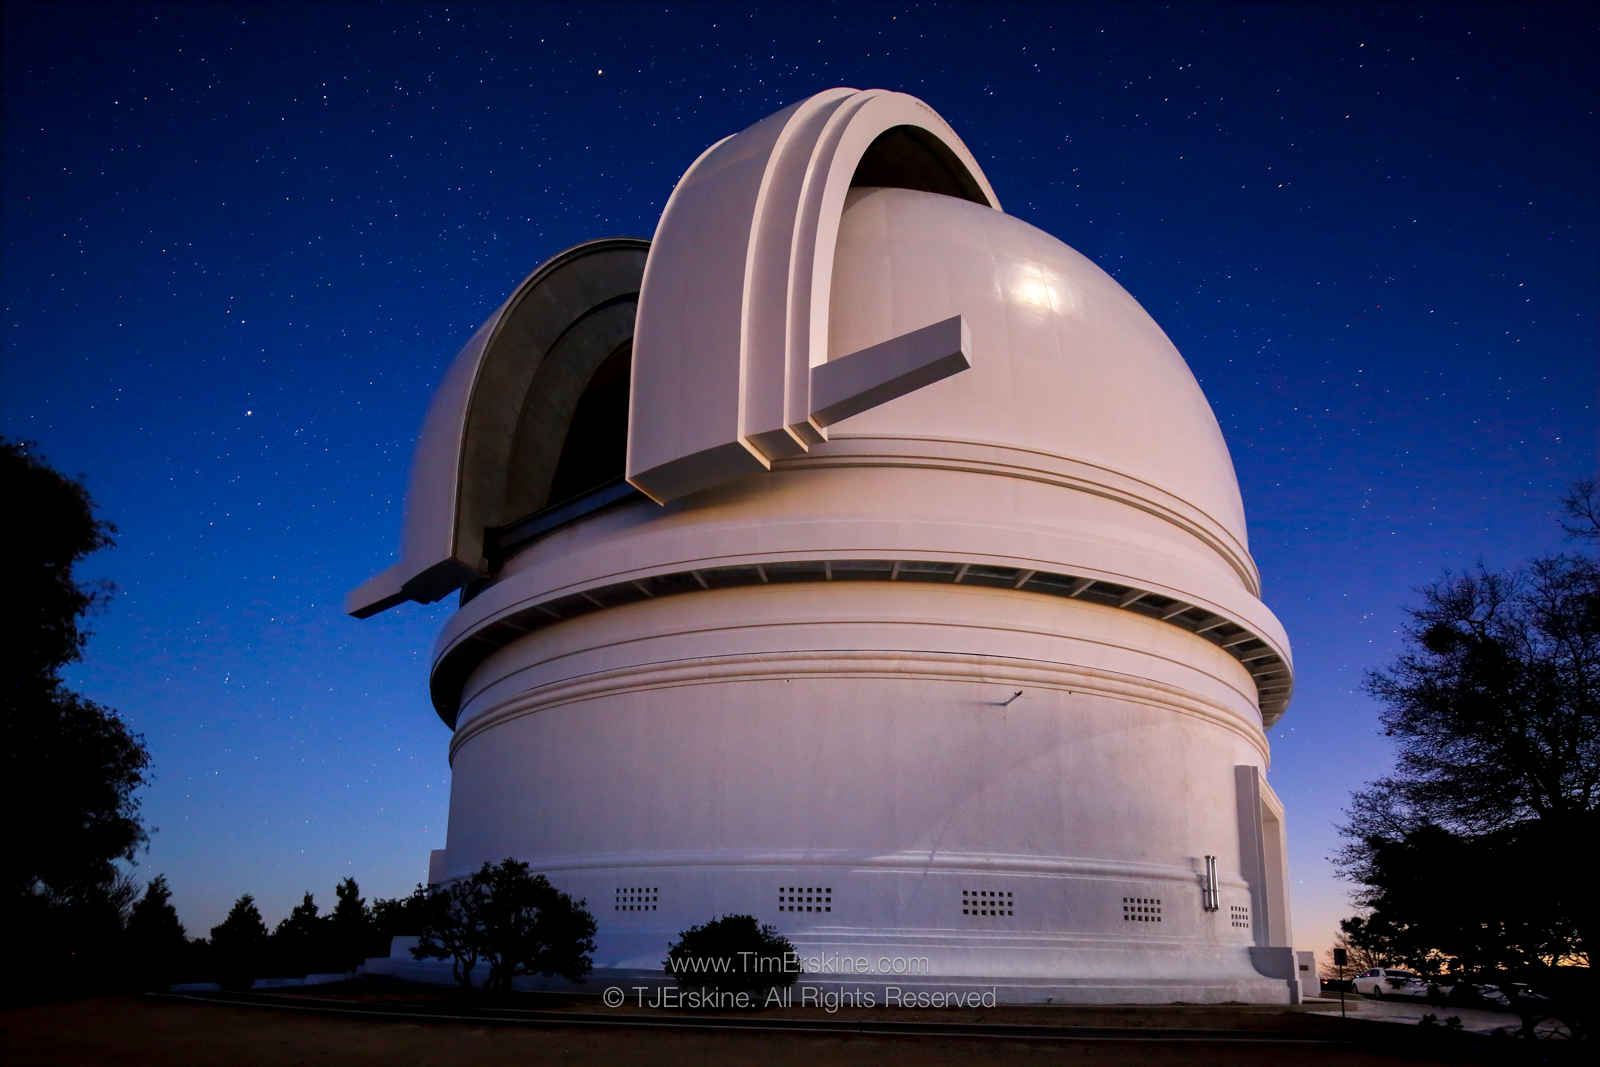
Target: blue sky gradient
(242, 244)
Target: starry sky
(241, 244)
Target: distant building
(860, 557)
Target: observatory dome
(859, 557)
(1067, 364)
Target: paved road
(756, 1023)
(1410, 1012)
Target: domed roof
(845, 362)
(1064, 362)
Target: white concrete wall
(724, 750)
(698, 755)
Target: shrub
(732, 954)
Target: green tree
(1494, 705)
(239, 945)
(156, 944)
(72, 765)
(509, 918)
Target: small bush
(732, 954)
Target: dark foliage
(1358, 956)
(308, 942)
(732, 954)
(300, 944)
(1494, 917)
(514, 921)
(452, 927)
(396, 917)
(239, 945)
(1465, 852)
(47, 599)
(199, 964)
(155, 946)
(71, 765)
(349, 927)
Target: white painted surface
(835, 757)
(888, 370)
(734, 309)
(441, 540)
(1310, 980)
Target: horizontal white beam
(852, 384)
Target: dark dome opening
(595, 451)
(907, 157)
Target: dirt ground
(129, 1030)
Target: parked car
(1511, 995)
(1389, 981)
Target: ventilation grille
(986, 903)
(1239, 917)
(810, 898)
(637, 898)
(1141, 909)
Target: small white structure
(924, 625)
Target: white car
(1387, 981)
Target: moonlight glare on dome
(243, 246)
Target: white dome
(977, 677)
(1065, 362)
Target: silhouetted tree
(239, 945)
(199, 963)
(396, 917)
(732, 954)
(1496, 918)
(1494, 705)
(70, 764)
(452, 926)
(298, 941)
(349, 926)
(1580, 511)
(156, 946)
(509, 918)
(1358, 957)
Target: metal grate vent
(986, 903)
(926, 572)
(1268, 668)
(1239, 917)
(805, 898)
(1141, 909)
(637, 898)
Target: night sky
(242, 244)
